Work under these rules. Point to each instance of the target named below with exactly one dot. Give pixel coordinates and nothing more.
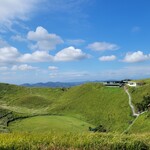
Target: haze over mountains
(53, 84)
(60, 84)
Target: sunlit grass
(24, 141)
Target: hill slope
(92, 103)
(96, 104)
(142, 124)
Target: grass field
(70, 141)
(97, 104)
(92, 103)
(31, 98)
(137, 93)
(142, 125)
(48, 124)
(54, 118)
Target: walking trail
(133, 110)
(130, 103)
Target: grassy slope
(28, 100)
(97, 105)
(90, 102)
(49, 123)
(143, 122)
(142, 125)
(86, 141)
(137, 93)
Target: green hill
(57, 118)
(96, 104)
(142, 124)
(49, 123)
(91, 103)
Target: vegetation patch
(91, 103)
(49, 123)
(142, 124)
(144, 104)
(34, 102)
(78, 141)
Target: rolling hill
(90, 104)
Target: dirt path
(130, 103)
(136, 115)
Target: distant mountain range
(53, 84)
(56, 84)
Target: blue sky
(74, 40)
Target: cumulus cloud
(37, 56)
(16, 10)
(107, 58)
(53, 68)
(23, 67)
(70, 54)
(138, 56)
(12, 55)
(102, 46)
(8, 55)
(67, 54)
(44, 40)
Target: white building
(133, 84)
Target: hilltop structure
(113, 83)
(120, 83)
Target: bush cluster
(144, 104)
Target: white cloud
(11, 55)
(3, 68)
(12, 11)
(37, 56)
(53, 75)
(23, 67)
(3, 43)
(132, 72)
(107, 58)
(76, 42)
(53, 68)
(62, 76)
(70, 54)
(136, 57)
(45, 41)
(102, 46)
(18, 38)
(67, 54)
(8, 55)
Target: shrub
(99, 128)
(144, 104)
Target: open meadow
(88, 116)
